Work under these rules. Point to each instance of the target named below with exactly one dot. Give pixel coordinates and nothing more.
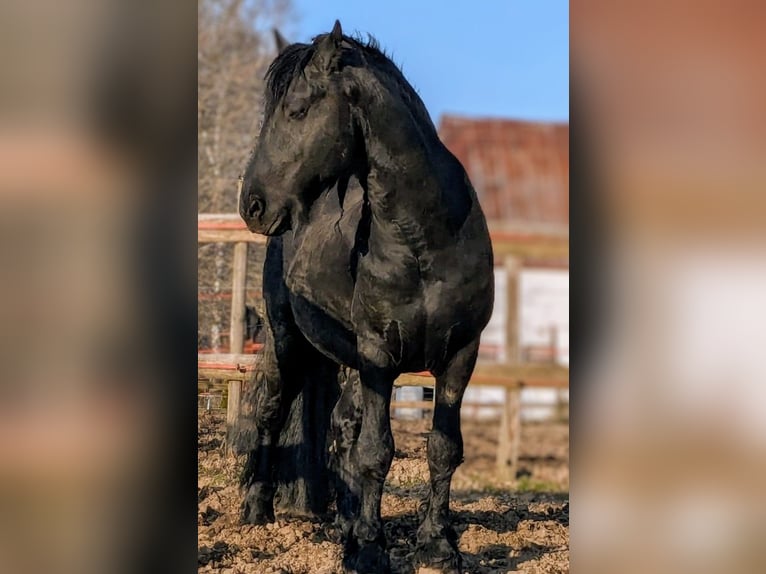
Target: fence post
(508, 445)
(510, 424)
(237, 329)
(513, 270)
(238, 284)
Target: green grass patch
(529, 484)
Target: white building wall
(544, 295)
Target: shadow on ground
(500, 527)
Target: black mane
(290, 64)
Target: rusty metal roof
(520, 169)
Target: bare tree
(235, 46)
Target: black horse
(379, 263)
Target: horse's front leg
(344, 433)
(365, 549)
(437, 541)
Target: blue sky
(486, 58)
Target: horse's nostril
(256, 208)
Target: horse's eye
(298, 111)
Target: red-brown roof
(520, 169)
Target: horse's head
(308, 138)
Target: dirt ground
(521, 526)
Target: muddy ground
(502, 527)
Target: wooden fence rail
(541, 248)
(234, 369)
(240, 366)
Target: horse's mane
(293, 60)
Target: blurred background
(97, 207)
(668, 460)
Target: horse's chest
(336, 309)
(324, 279)
(318, 266)
(321, 288)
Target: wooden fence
(513, 250)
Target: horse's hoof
(257, 519)
(344, 528)
(369, 558)
(438, 554)
(256, 514)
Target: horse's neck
(418, 193)
(402, 178)
(415, 188)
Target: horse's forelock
(290, 63)
(285, 67)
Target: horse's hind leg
(436, 540)
(303, 478)
(285, 419)
(263, 416)
(285, 414)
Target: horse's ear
(329, 49)
(337, 33)
(280, 41)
